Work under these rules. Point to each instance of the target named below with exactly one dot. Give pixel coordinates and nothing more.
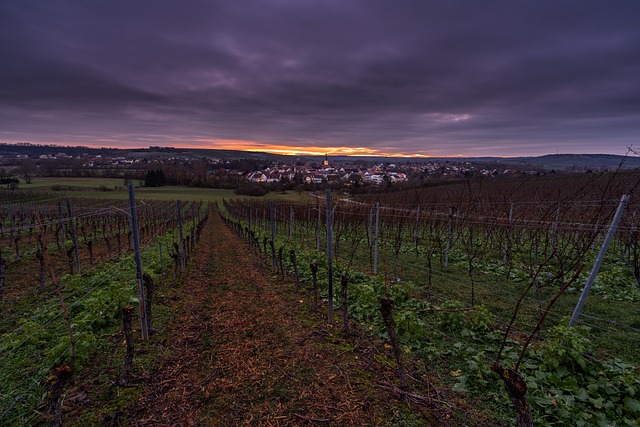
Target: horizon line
(357, 152)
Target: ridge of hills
(548, 161)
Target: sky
(366, 77)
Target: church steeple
(326, 159)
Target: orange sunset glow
(307, 150)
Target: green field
(72, 183)
(114, 188)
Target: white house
(257, 177)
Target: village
(351, 173)
(209, 169)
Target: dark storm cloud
(448, 77)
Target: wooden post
(136, 247)
(3, 274)
(344, 281)
(448, 246)
(329, 257)
(161, 272)
(295, 269)
(417, 228)
(273, 235)
(314, 275)
(280, 262)
(182, 249)
(507, 254)
(72, 229)
(318, 230)
(291, 224)
(61, 217)
(375, 240)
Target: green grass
(288, 196)
(500, 295)
(91, 187)
(461, 353)
(498, 292)
(80, 183)
(94, 187)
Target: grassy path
(245, 351)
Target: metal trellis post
(375, 241)
(596, 266)
(329, 257)
(133, 221)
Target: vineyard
(481, 281)
(68, 267)
(521, 297)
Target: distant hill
(576, 161)
(558, 162)
(36, 150)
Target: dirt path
(246, 352)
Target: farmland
(484, 277)
(116, 189)
(67, 269)
(108, 188)
(472, 284)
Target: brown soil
(246, 350)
